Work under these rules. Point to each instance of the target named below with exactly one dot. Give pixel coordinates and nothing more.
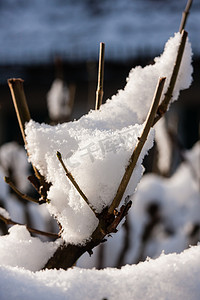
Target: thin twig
(23, 196)
(99, 92)
(165, 103)
(11, 222)
(20, 103)
(75, 184)
(134, 157)
(185, 15)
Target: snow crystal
(96, 149)
(21, 250)
(174, 276)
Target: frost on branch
(96, 148)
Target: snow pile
(19, 249)
(174, 276)
(96, 149)
(58, 100)
(97, 173)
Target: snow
(19, 249)
(170, 276)
(177, 214)
(98, 178)
(174, 276)
(97, 148)
(4, 213)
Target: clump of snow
(96, 149)
(174, 276)
(19, 249)
(97, 165)
(4, 213)
(58, 100)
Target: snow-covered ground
(36, 30)
(174, 277)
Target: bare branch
(20, 103)
(75, 184)
(165, 103)
(32, 230)
(185, 15)
(23, 116)
(99, 92)
(134, 157)
(23, 196)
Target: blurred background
(36, 34)
(53, 45)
